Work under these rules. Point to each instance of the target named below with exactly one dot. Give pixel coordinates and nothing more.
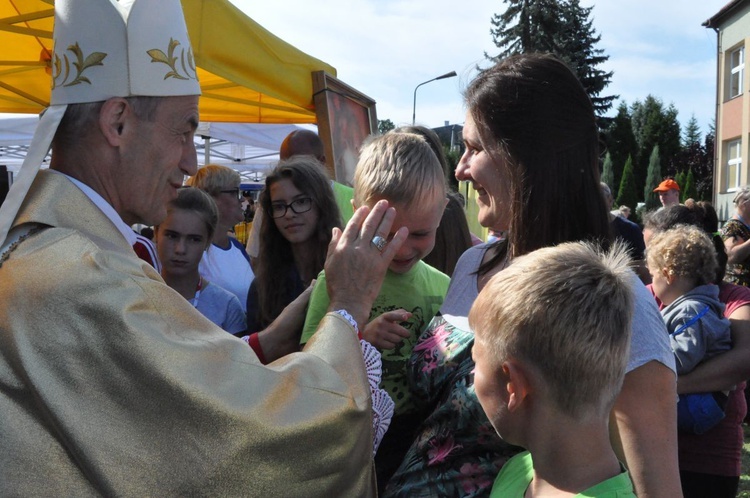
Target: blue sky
(384, 48)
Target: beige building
(732, 27)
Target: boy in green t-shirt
(552, 336)
(402, 169)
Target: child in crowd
(181, 240)
(552, 336)
(300, 212)
(225, 262)
(682, 262)
(402, 169)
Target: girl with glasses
(299, 201)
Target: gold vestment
(111, 383)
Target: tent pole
(207, 150)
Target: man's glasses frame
(235, 191)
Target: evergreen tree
(627, 194)
(680, 179)
(704, 182)
(577, 46)
(653, 178)
(689, 192)
(385, 125)
(607, 173)
(526, 26)
(561, 27)
(620, 141)
(452, 156)
(692, 133)
(655, 125)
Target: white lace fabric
(382, 404)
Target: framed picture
(345, 118)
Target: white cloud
(384, 48)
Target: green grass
(744, 489)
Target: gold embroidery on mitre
(61, 75)
(187, 62)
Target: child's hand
(385, 331)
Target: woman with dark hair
(532, 154)
(452, 237)
(299, 200)
(710, 463)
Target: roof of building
(717, 19)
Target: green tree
(705, 181)
(577, 45)
(698, 158)
(526, 26)
(689, 191)
(627, 194)
(653, 178)
(607, 173)
(452, 156)
(385, 125)
(680, 178)
(655, 125)
(692, 133)
(620, 141)
(561, 27)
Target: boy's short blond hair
(565, 311)
(212, 178)
(398, 167)
(683, 251)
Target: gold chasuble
(112, 384)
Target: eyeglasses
(301, 205)
(234, 191)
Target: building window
(737, 74)
(734, 164)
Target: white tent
(250, 148)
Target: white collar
(105, 207)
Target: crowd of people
(362, 343)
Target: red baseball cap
(666, 185)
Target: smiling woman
(533, 156)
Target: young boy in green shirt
(552, 336)
(402, 169)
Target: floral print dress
(738, 273)
(457, 451)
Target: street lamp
(414, 107)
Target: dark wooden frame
(346, 117)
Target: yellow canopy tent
(246, 73)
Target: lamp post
(414, 107)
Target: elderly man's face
(158, 155)
(669, 197)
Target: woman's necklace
(197, 296)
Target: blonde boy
(552, 341)
(403, 169)
(682, 262)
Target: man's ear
(517, 384)
(113, 118)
